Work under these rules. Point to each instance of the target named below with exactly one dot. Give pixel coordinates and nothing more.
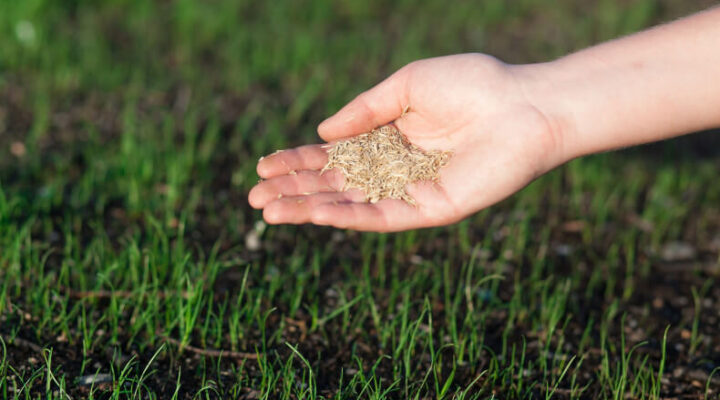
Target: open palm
(472, 105)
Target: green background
(129, 133)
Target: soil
(663, 299)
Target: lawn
(131, 265)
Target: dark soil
(662, 299)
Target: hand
(471, 104)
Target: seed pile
(382, 162)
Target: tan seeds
(383, 162)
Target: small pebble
(18, 149)
(678, 251)
(252, 238)
(95, 379)
(658, 302)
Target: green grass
(129, 132)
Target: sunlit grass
(124, 224)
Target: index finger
(377, 106)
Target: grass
(129, 132)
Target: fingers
(383, 216)
(309, 157)
(389, 215)
(345, 210)
(382, 104)
(301, 183)
(299, 209)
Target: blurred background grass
(235, 80)
(129, 131)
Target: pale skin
(505, 124)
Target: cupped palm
(471, 105)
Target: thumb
(382, 104)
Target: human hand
(470, 104)
(505, 124)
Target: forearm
(646, 87)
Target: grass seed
(383, 162)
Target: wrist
(545, 94)
(646, 87)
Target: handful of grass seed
(382, 162)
